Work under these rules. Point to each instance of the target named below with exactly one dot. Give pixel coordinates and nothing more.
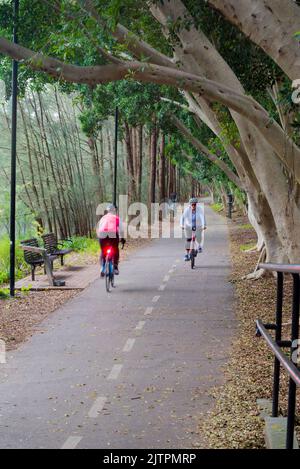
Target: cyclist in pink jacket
(110, 232)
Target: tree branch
(205, 151)
(246, 106)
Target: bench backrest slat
(50, 242)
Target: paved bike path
(130, 369)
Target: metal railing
(281, 358)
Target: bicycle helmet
(193, 200)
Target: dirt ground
(20, 317)
(235, 422)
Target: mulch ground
(234, 421)
(19, 317)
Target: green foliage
(83, 244)
(21, 266)
(246, 247)
(4, 293)
(253, 67)
(217, 207)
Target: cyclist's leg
(188, 239)
(104, 243)
(115, 245)
(200, 238)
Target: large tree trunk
(162, 173)
(139, 169)
(130, 162)
(271, 24)
(96, 167)
(204, 150)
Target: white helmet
(193, 200)
(111, 208)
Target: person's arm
(98, 228)
(182, 220)
(121, 229)
(202, 218)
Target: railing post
(278, 333)
(292, 384)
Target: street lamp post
(13, 155)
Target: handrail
(277, 343)
(289, 366)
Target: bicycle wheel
(112, 274)
(107, 275)
(192, 255)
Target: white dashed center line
(140, 325)
(148, 310)
(72, 442)
(97, 407)
(116, 369)
(162, 287)
(155, 299)
(128, 346)
(166, 278)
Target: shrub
(21, 266)
(83, 244)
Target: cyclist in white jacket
(193, 219)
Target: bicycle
(109, 269)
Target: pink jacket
(109, 223)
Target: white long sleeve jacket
(186, 218)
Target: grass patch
(83, 244)
(246, 226)
(217, 207)
(4, 293)
(21, 266)
(246, 247)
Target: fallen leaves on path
(234, 422)
(19, 316)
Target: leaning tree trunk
(271, 24)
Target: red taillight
(109, 251)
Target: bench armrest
(33, 249)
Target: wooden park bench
(36, 256)
(51, 245)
